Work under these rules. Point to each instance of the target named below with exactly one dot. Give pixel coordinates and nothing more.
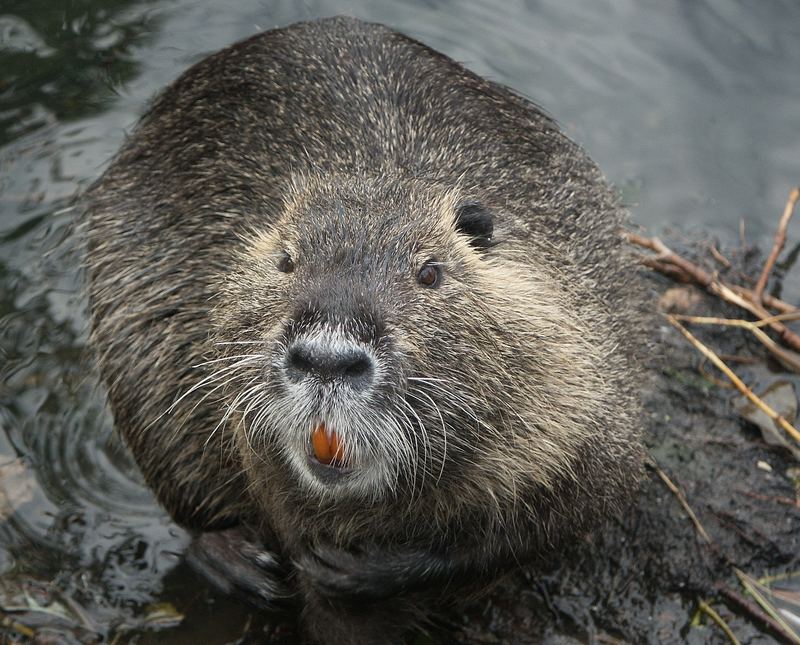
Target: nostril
(300, 359)
(351, 365)
(356, 369)
(356, 365)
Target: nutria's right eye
(285, 264)
(429, 275)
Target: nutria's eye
(429, 275)
(475, 221)
(285, 264)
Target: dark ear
(475, 221)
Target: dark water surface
(692, 108)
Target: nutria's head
(381, 336)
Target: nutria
(367, 317)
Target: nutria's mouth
(326, 454)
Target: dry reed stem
(708, 609)
(737, 382)
(789, 358)
(683, 501)
(780, 240)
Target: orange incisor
(327, 445)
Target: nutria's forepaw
(239, 566)
(366, 574)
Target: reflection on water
(690, 107)
(64, 62)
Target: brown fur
(505, 417)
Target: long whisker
(444, 429)
(231, 408)
(227, 358)
(213, 377)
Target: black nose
(352, 365)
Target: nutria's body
(333, 224)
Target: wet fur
(505, 417)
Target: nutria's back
(346, 290)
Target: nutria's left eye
(285, 264)
(429, 275)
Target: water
(690, 107)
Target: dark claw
(237, 565)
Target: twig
(670, 263)
(10, 623)
(769, 301)
(610, 640)
(666, 255)
(746, 302)
(718, 256)
(673, 265)
(755, 611)
(780, 240)
(79, 612)
(708, 609)
(707, 375)
(791, 359)
(779, 499)
(743, 360)
(752, 587)
(682, 499)
(790, 315)
(738, 383)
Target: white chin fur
(376, 445)
(363, 481)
